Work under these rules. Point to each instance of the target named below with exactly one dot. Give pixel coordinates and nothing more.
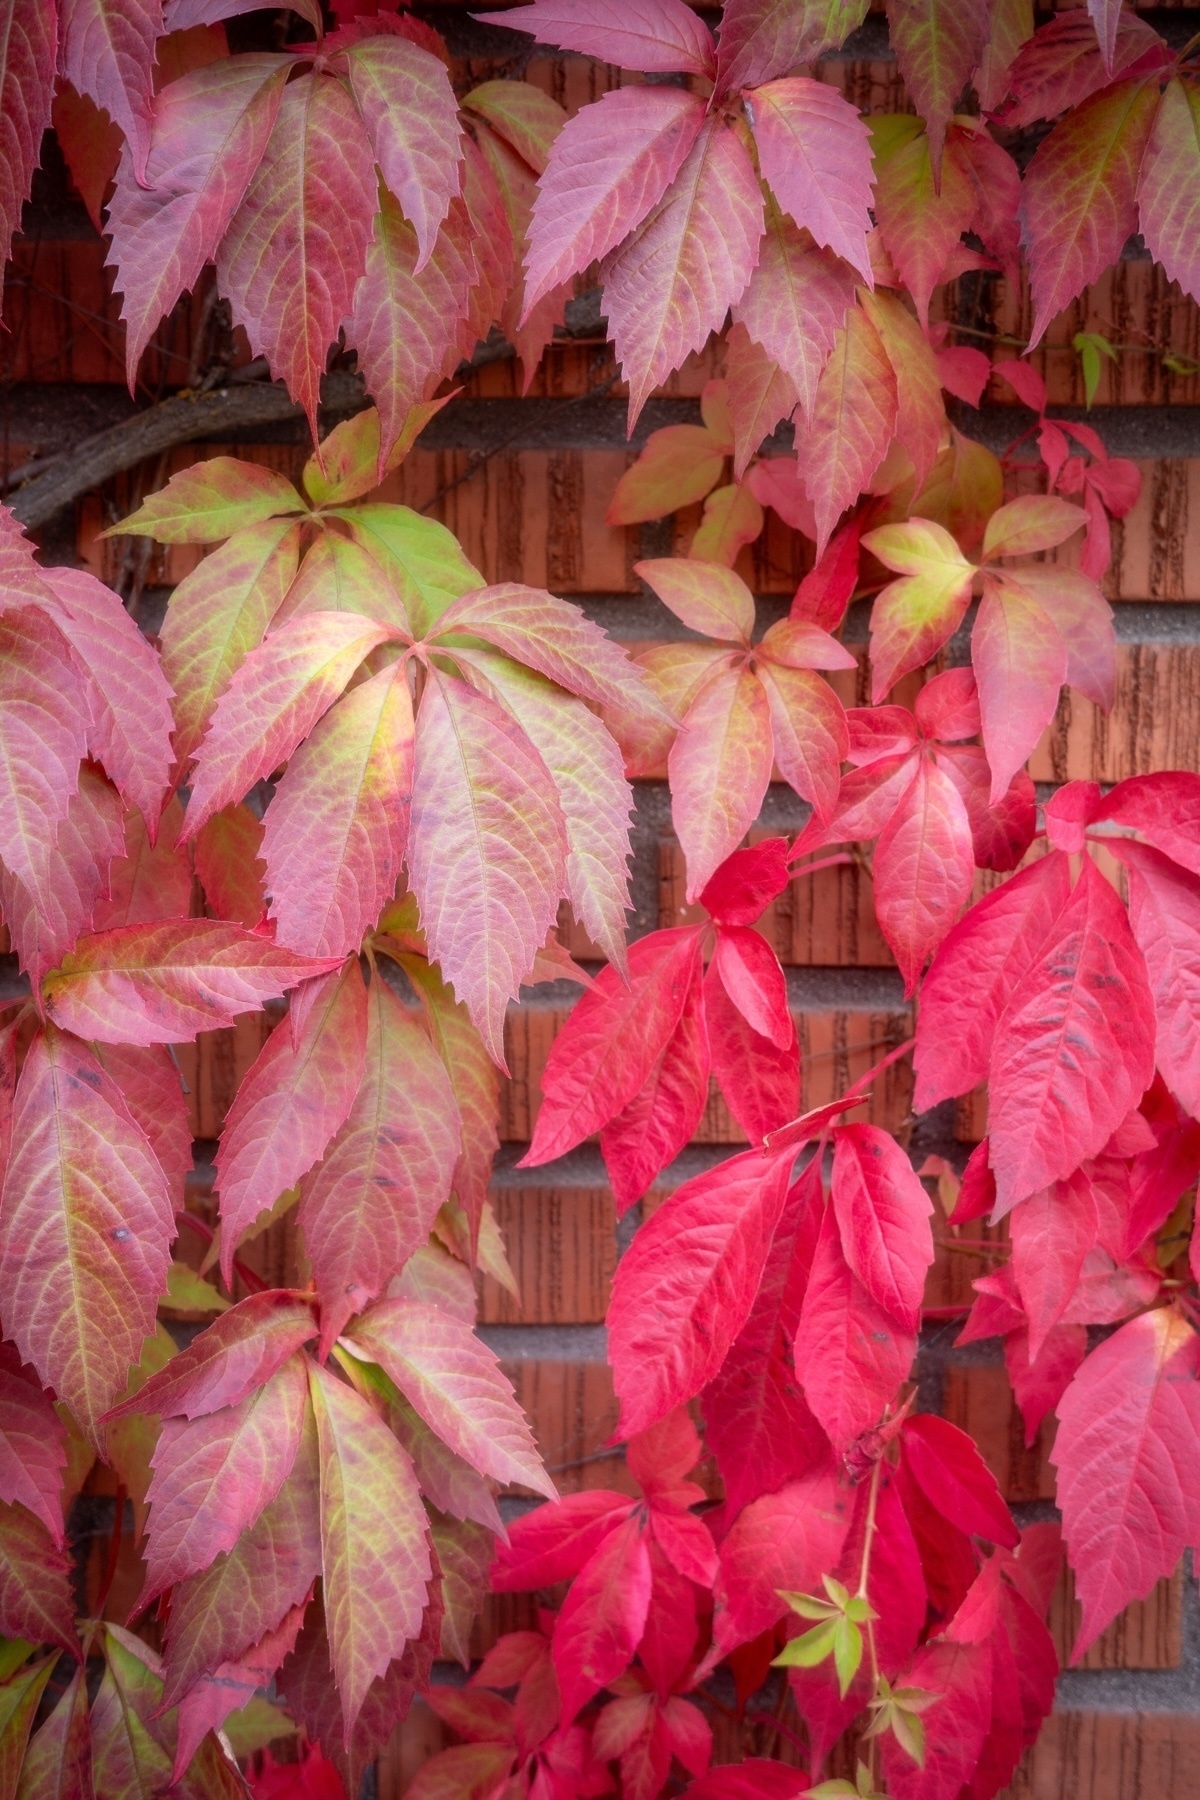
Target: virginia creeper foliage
(355, 775)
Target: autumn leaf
(652, 35)
(815, 152)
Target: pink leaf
(86, 1222)
(763, 38)
(656, 36)
(272, 703)
(1125, 1453)
(924, 867)
(686, 1285)
(852, 422)
(1166, 191)
(1079, 195)
(457, 1386)
(162, 983)
(1165, 808)
(808, 729)
(487, 848)
(601, 1621)
(882, 1212)
(63, 891)
(719, 768)
(107, 52)
(938, 44)
(374, 1196)
(973, 975)
(1074, 1045)
(237, 1353)
(1051, 1235)
(1061, 65)
(1038, 1384)
(26, 93)
(408, 106)
(43, 736)
(673, 281)
(297, 245)
(36, 1602)
(32, 1447)
(213, 1476)
(608, 167)
(793, 306)
(290, 1104)
(210, 129)
(815, 152)
(1020, 663)
(153, 1089)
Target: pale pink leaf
(719, 768)
(763, 38)
(487, 848)
(373, 1198)
(1020, 663)
(404, 95)
(608, 167)
(86, 1222)
(210, 129)
(30, 31)
(815, 152)
(795, 303)
(853, 420)
(655, 36)
(297, 245)
(164, 982)
(673, 281)
(44, 721)
(290, 1104)
(236, 1354)
(64, 890)
(107, 52)
(457, 1386)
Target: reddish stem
(253, 1281)
(828, 862)
(114, 1549)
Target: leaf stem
(114, 1549)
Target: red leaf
(237, 1353)
(924, 867)
(152, 1086)
(955, 1479)
(675, 278)
(784, 1540)
(1164, 911)
(1165, 808)
(608, 167)
(213, 1476)
(750, 974)
(1125, 1452)
(882, 1212)
(610, 1044)
(758, 1423)
(1039, 1384)
(601, 1621)
(684, 1288)
(163, 983)
(86, 1222)
(553, 1543)
(297, 244)
(1020, 663)
(290, 1104)
(973, 975)
(755, 1779)
(1074, 1046)
(1051, 1234)
(210, 129)
(64, 887)
(1078, 198)
(815, 152)
(747, 882)
(661, 1118)
(228, 856)
(1001, 834)
(762, 38)
(652, 35)
(337, 827)
(373, 1198)
(849, 1354)
(828, 588)
(760, 1082)
(35, 1595)
(457, 1386)
(32, 1447)
(956, 1725)
(1060, 66)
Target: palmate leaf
(374, 1540)
(454, 1382)
(373, 1198)
(487, 848)
(208, 135)
(28, 34)
(674, 279)
(815, 152)
(408, 107)
(86, 1222)
(237, 1353)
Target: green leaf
(1091, 346)
(190, 1292)
(423, 560)
(810, 1648)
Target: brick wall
(524, 482)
